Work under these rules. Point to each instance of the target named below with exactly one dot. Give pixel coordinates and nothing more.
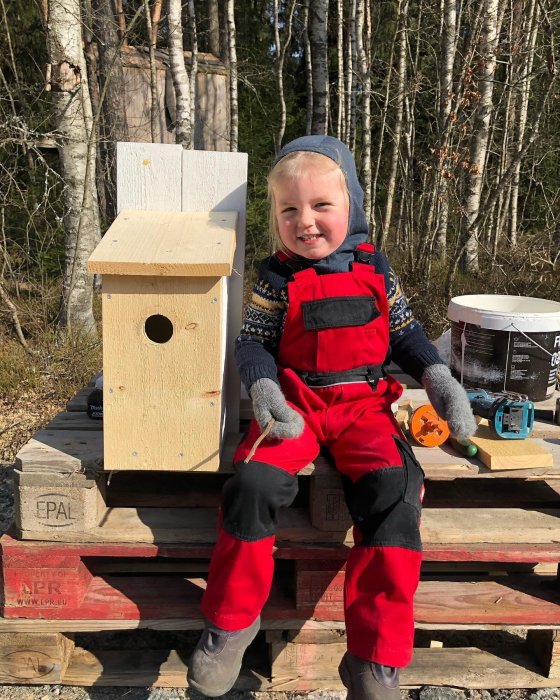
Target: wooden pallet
(127, 551)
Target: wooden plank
(30, 553)
(322, 593)
(167, 243)
(34, 658)
(149, 176)
(168, 624)
(498, 453)
(75, 419)
(440, 526)
(62, 452)
(217, 181)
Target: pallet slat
(197, 525)
(167, 668)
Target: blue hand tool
(510, 416)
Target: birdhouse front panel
(163, 372)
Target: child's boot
(216, 661)
(367, 680)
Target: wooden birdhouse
(164, 307)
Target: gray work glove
(449, 399)
(268, 403)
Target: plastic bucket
(505, 343)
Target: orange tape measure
(427, 428)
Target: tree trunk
(340, 64)
(111, 78)
(379, 151)
(448, 47)
(91, 54)
(280, 60)
(232, 60)
(181, 83)
(308, 68)
(121, 19)
(351, 77)
(155, 16)
(479, 142)
(397, 129)
(525, 78)
(77, 161)
(154, 92)
(319, 12)
(408, 208)
(191, 13)
(363, 39)
(214, 28)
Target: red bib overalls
(334, 342)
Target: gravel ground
(141, 639)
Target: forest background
(451, 108)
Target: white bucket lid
(502, 312)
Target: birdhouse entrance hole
(158, 328)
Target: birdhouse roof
(167, 243)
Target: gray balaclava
(340, 259)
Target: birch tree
(479, 142)
(281, 48)
(350, 112)
(71, 101)
(318, 18)
(525, 78)
(191, 13)
(308, 67)
(232, 61)
(181, 83)
(398, 125)
(363, 39)
(340, 63)
(154, 93)
(377, 234)
(448, 51)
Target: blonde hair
(290, 168)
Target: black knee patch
(385, 504)
(251, 498)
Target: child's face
(312, 212)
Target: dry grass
(33, 388)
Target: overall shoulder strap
(365, 253)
